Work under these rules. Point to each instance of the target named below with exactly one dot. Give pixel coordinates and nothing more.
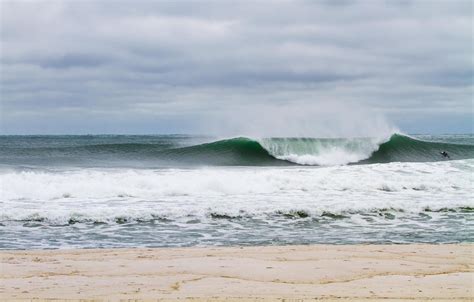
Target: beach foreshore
(262, 273)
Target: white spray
(359, 131)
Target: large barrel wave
(240, 151)
(311, 151)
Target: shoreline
(299, 272)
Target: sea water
(157, 191)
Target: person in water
(445, 154)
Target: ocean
(101, 191)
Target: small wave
(36, 219)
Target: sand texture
(325, 272)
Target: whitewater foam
(104, 195)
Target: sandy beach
(326, 272)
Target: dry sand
(325, 272)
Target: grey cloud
(195, 60)
(74, 60)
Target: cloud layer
(187, 67)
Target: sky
(269, 68)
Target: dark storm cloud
(184, 62)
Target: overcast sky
(192, 67)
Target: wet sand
(324, 272)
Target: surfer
(445, 154)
